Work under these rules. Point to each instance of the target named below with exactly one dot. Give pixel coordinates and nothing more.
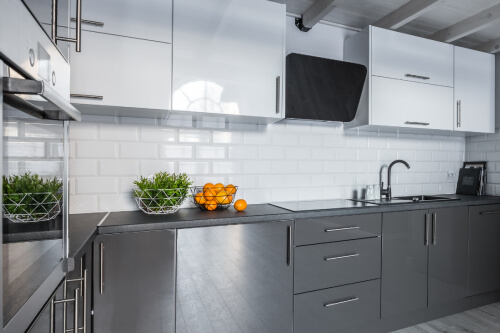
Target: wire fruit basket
(160, 201)
(31, 207)
(213, 199)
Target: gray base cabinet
(235, 278)
(424, 259)
(134, 282)
(484, 249)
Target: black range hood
(322, 89)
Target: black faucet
(387, 192)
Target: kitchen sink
(407, 200)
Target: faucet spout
(388, 192)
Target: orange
(211, 205)
(209, 193)
(200, 199)
(218, 187)
(230, 189)
(240, 205)
(222, 197)
(207, 185)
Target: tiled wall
(487, 148)
(284, 161)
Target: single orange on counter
(200, 199)
(240, 205)
(230, 189)
(211, 205)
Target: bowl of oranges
(212, 197)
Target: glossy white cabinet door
(227, 57)
(474, 91)
(126, 72)
(401, 56)
(410, 104)
(145, 19)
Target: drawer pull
(341, 302)
(490, 212)
(342, 257)
(416, 123)
(413, 76)
(341, 229)
(86, 96)
(96, 23)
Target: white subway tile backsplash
(83, 204)
(10, 128)
(43, 130)
(25, 149)
(56, 150)
(45, 168)
(291, 160)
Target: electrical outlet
(452, 175)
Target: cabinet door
(484, 249)
(147, 19)
(226, 61)
(410, 104)
(235, 278)
(134, 282)
(404, 262)
(405, 57)
(448, 255)
(474, 91)
(126, 72)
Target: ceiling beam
(314, 14)
(493, 46)
(406, 13)
(468, 26)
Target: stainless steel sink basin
(407, 200)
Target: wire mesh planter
(31, 207)
(160, 201)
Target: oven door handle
(65, 111)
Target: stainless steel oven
(35, 108)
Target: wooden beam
(493, 46)
(468, 26)
(406, 13)
(316, 13)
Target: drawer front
(338, 228)
(410, 58)
(334, 264)
(334, 309)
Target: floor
(485, 319)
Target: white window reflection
(203, 96)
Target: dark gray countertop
(82, 229)
(193, 217)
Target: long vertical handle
(78, 25)
(54, 20)
(278, 94)
(426, 232)
(85, 301)
(75, 315)
(459, 113)
(52, 315)
(434, 228)
(101, 270)
(289, 246)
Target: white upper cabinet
(144, 19)
(474, 91)
(422, 84)
(120, 72)
(228, 57)
(405, 57)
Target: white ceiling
(361, 13)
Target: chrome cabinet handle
(101, 270)
(426, 232)
(459, 113)
(341, 257)
(289, 246)
(86, 96)
(78, 39)
(341, 229)
(278, 94)
(52, 315)
(490, 212)
(90, 22)
(434, 226)
(75, 313)
(413, 76)
(341, 302)
(416, 123)
(85, 301)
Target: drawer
(334, 264)
(335, 309)
(337, 228)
